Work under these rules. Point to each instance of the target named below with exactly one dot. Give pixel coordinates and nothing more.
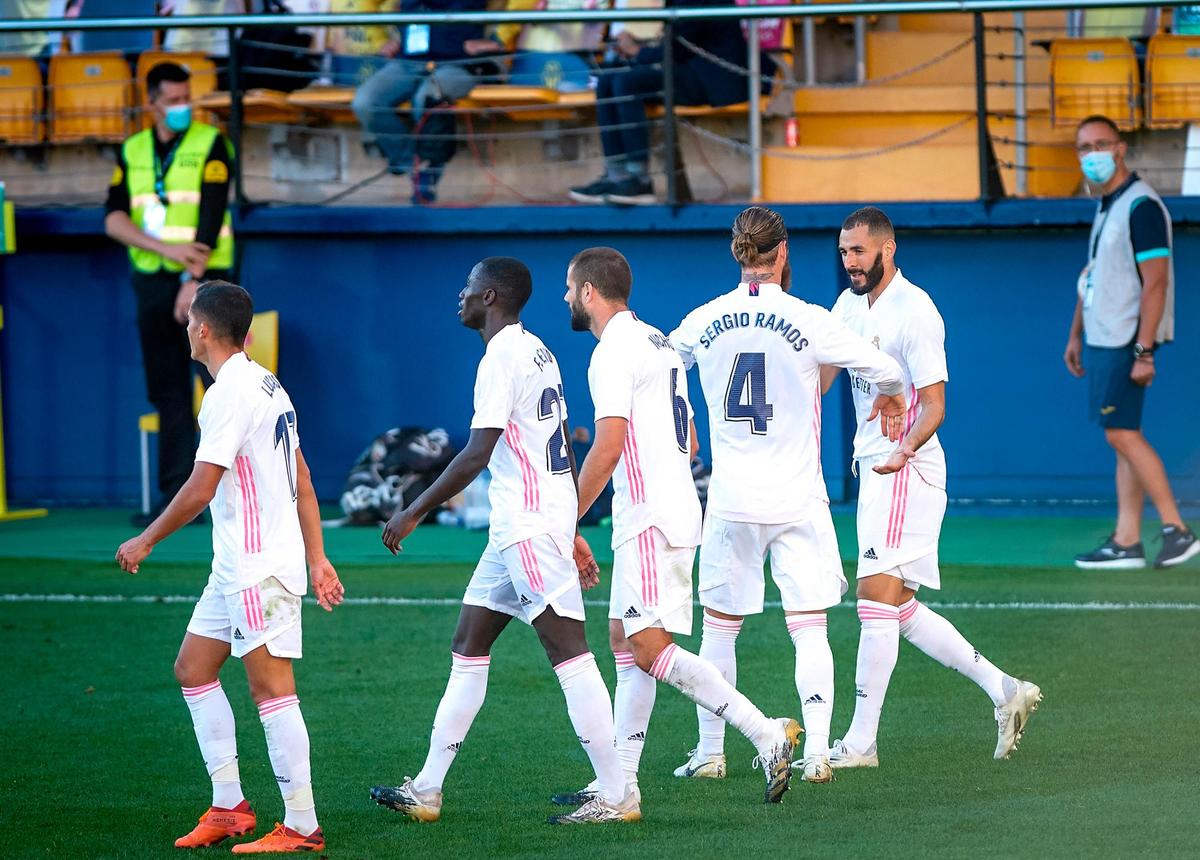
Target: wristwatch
(1140, 351)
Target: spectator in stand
(357, 51)
(28, 43)
(621, 98)
(429, 66)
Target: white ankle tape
(301, 799)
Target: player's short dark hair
(509, 277)
(1100, 118)
(165, 73)
(606, 269)
(874, 219)
(226, 308)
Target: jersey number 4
(551, 406)
(285, 425)
(746, 396)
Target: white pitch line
(1048, 606)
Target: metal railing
(807, 12)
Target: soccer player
(528, 570)
(251, 474)
(760, 352)
(643, 441)
(902, 496)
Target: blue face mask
(179, 117)
(1098, 167)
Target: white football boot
(841, 756)
(702, 767)
(1012, 716)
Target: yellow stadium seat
(91, 96)
(1172, 81)
(21, 97)
(202, 69)
(1094, 76)
(262, 345)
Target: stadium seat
(202, 69)
(1172, 81)
(1094, 76)
(258, 106)
(262, 345)
(21, 96)
(91, 96)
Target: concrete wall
(369, 336)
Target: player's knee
(1121, 439)
(188, 674)
(466, 645)
(616, 638)
(644, 654)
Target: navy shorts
(1114, 400)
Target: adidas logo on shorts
(870, 553)
(525, 601)
(237, 634)
(632, 613)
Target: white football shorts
(652, 584)
(263, 614)
(805, 563)
(899, 522)
(523, 579)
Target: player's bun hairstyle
(172, 73)
(757, 233)
(874, 219)
(606, 269)
(509, 277)
(226, 308)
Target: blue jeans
(401, 81)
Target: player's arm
(601, 460)
(829, 376)
(585, 559)
(1073, 355)
(694, 445)
(191, 499)
(837, 346)
(933, 413)
(325, 583)
(463, 469)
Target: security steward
(168, 203)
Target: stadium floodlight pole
(593, 16)
(236, 116)
(754, 117)
(981, 111)
(670, 144)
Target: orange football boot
(217, 825)
(283, 840)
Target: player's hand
(1142, 372)
(325, 584)
(896, 462)
(1073, 356)
(132, 553)
(585, 563)
(183, 300)
(401, 525)
(891, 408)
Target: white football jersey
(636, 375)
(248, 427)
(760, 352)
(518, 389)
(906, 325)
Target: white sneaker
(405, 798)
(1012, 716)
(814, 768)
(841, 756)
(776, 761)
(596, 811)
(702, 767)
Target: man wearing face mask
(1124, 311)
(168, 204)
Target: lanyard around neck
(161, 166)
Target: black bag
(393, 470)
(276, 58)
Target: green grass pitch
(99, 759)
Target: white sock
(878, 647)
(212, 719)
(632, 704)
(701, 682)
(590, 711)
(460, 703)
(287, 745)
(718, 646)
(814, 678)
(941, 640)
